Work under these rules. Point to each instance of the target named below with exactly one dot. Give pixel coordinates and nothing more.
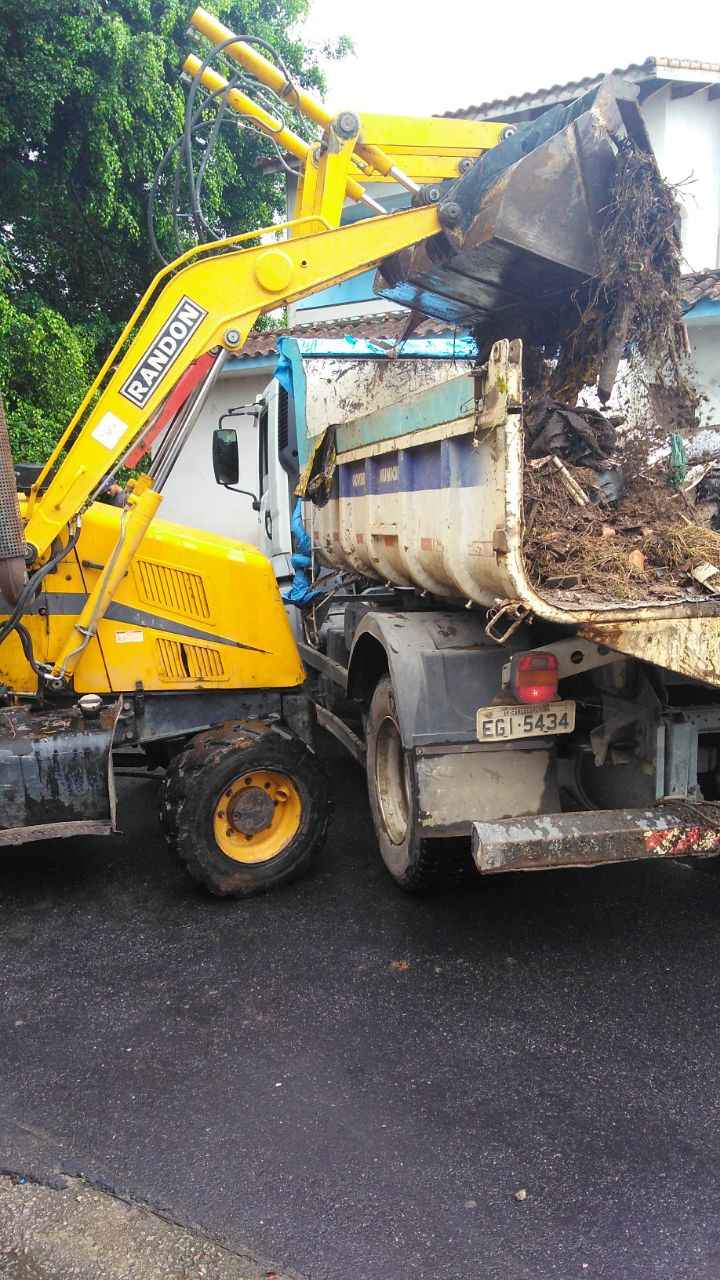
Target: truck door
(277, 478)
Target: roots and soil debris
(638, 535)
(639, 270)
(645, 547)
(639, 276)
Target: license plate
(500, 724)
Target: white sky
(420, 58)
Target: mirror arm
(255, 500)
(240, 411)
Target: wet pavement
(352, 1083)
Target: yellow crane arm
(209, 298)
(274, 128)
(371, 156)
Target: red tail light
(534, 677)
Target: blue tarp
(301, 592)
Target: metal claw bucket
(521, 229)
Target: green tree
(89, 100)
(45, 366)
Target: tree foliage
(45, 366)
(89, 100)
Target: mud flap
(56, 773)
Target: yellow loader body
(194, 611)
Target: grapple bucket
(521, 227)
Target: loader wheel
(245, 807)
(415, 863)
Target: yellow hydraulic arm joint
(407, 150)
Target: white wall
(705, 341)
(685, 133)
(191, 495)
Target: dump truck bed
(429, 495)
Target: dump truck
(522, 727)
(128, 639)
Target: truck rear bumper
(590, 839)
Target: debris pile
(636, 295)
(611, 508)
(599, 520)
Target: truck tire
(415, 863)
(245, 807)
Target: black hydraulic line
(193, 123)
(209, 150)
(27, 647)
(34, 582)
(200, 226)
(154, 186)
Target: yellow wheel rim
(257, 816)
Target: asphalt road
(352, 1083)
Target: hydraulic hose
(33, 583)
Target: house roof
(650, 74)
(380, 326)
(701, 286)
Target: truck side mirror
(225, 455)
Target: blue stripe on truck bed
(443, 464)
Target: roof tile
(651, 68)
(377, 327)
(701, 286)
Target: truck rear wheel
(245, 807)
(415, 863)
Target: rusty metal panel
(691, 648)
(12, 837)
(557, 840)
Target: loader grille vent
(179, 661)
(175, 590)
